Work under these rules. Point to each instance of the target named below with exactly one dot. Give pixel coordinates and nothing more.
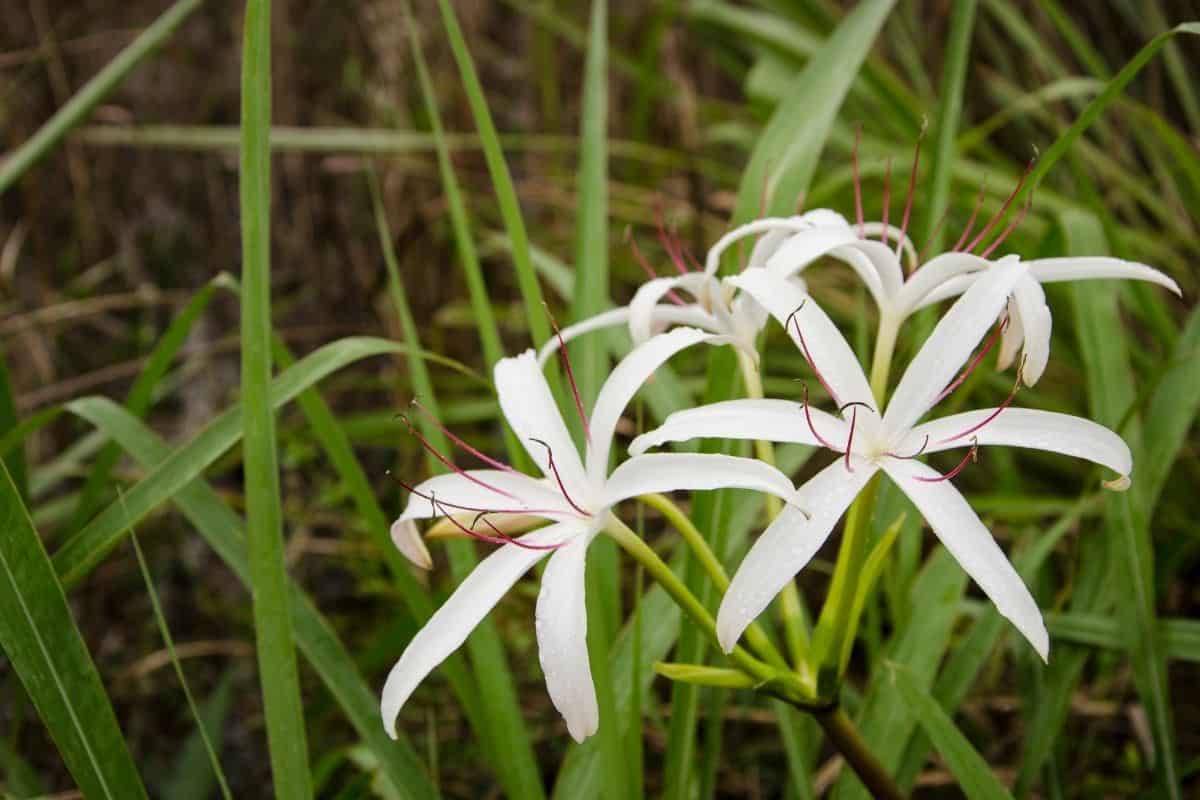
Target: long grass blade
(192, 776)
(92, 93)
(41, 641)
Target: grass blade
(506, 193)
(92, 92)
(9, 421)
(1172, 411)
(40, 639)
(225, 533)
(169, 641)
(192, 776)
(278, 673)
(975, 777)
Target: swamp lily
(574, 495)
(869, 442)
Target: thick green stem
(845, 738)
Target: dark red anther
(969, 457)
(554, 471)
(452, 437)
(853, 405)
(920, 450)
(562, 352)
(804, 348)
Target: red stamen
(1007, 402)
(920, 450)
(499, 538)
(561, 486)
(887, 200)
(987, 348)
(434, 452)
(672, 295)
(669, 244)
(858, 205)
(807, 355)
(811, 427)
(562, 352)
(1012, 225)
(970, 456)
(850, 438)
(912, 187)
(452, 437)
(1003, 209)
(971, 220)
(932, 237)
(691, 259)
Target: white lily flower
(575, 494)
(877, 262)
(715, 304)
(869, 442)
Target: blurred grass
(692, 89)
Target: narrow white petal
(531, 412)
(408, 541)
(455, 490)
(972, 545)
(950, 344)
(819, 217)
(1029, 298)
(765, 420)
(450, 625)
(622, 384)
(787, 545)
(951, 287)
(1051, 270)
(894, 234)
(830, 351)
(802, 249)
(562, 639)
(1027, 427)
(645, 300)
(957, 269)
(605, 319)
(670, 472)
(885, 263)
(1011, 339)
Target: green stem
(845, 738)
(885, 348)
(791, 607)
(756, 637)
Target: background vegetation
(133, 387)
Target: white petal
(661, 315)
(766, 420)
(1050, 270)
(894, 234)
(972, 545)
(626, 378)
(531, 412)
(408, 541)
(938, 273)
(605, 319)
(450, 625)
(787, 545)
(562, 639)
(816, 218)
(1026, 427)
(1011, 339)
(830, 351)
(1029, 298)
(459, 493)
(883, 260)
(951, 287)
(950, 344)
(669, 472)
(645, 300)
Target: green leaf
(278, 674)
(1172, 411)
(40, 639)
(225, 533)
(192, 776)
(92, 93)
(785, 157)
(975, 777)
(85, 549)
(722, 677)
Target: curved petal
(450, 625)
(1011, 338)
(801, 250)
(972, 545)
(408, 541)
(622, 384)
(1027, 427)
(661, 315)
(1034, 320)
(934, 274)
(950, 344)
(894, 235)
(457, 492)
(561, 624)
(645, 300)
(1052, 270)
(831, 353)
(531, 412)
(787, 545)
(885, 263)
(765, 420)
(669, 472)
(605, 319)
(951, 287)
(820, 217)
